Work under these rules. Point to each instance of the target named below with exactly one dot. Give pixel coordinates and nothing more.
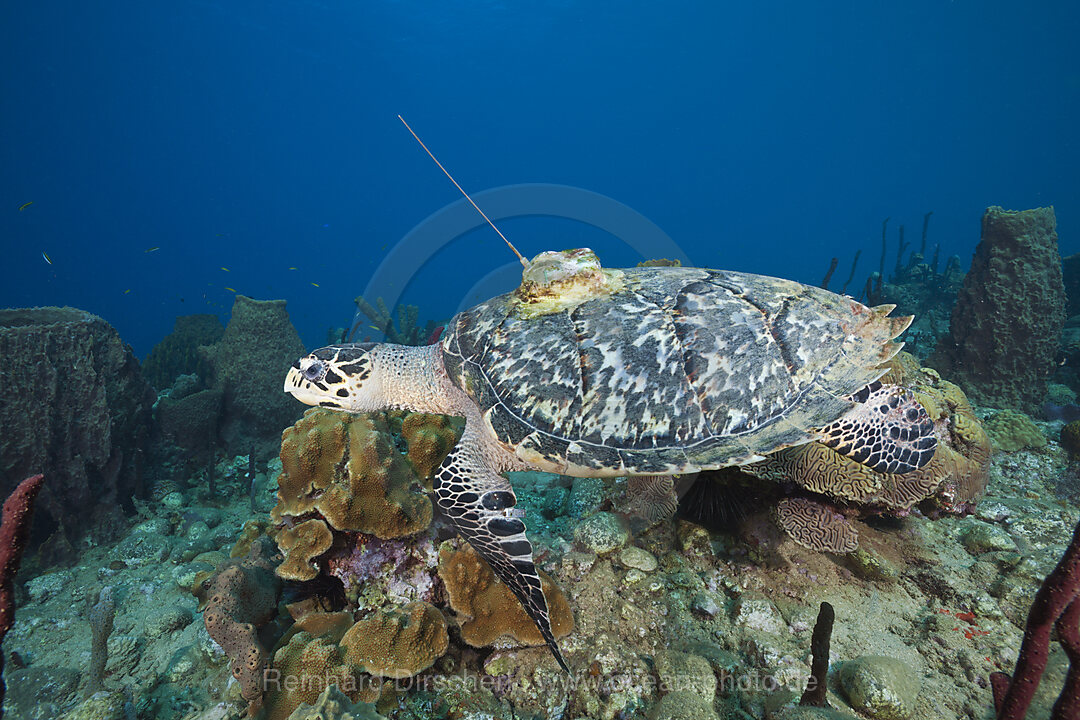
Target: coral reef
(1010, 431)
(1010, 312)
(488, 612)
(76, 408)
(247, 365)
(406, 332)
(347, 469)
(237, 599)
(178, 353)
(397, 642)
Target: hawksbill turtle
(595, 372)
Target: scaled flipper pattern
(888, 430)
(480, 504)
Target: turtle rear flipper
(480, 504)
(887, 430)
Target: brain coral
(814, 526)
(489, 612)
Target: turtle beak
(303, 390)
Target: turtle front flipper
(480, 504)
(887, 430)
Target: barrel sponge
(488, 611)
(236, 600)
(302, 544)
(346, 468)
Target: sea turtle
(594, 372)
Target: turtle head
(337, 376)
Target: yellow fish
(374, 328)
(230, 289)
(294, 268)
(226, 269)
(315, 284)
(156, 247)
(127, 291)
(46, 256)
(25, 205)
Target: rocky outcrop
(75, 407)
(1010, 312)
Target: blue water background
(256, 136)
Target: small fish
(127, 291)
(46, 256)
(25, 205)
(226, 269)
(292, 268)
(315, 284)
(230, 289)
(374, 328)
(153, 249)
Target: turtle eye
(313, 369)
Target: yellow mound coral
(324, 648)
(301, 545)
(346, 468)
(397, 642)
(309, 658)
(430, 439)
(1011, 431)
(490, 612)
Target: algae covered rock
(883, 688)
(602, 533)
